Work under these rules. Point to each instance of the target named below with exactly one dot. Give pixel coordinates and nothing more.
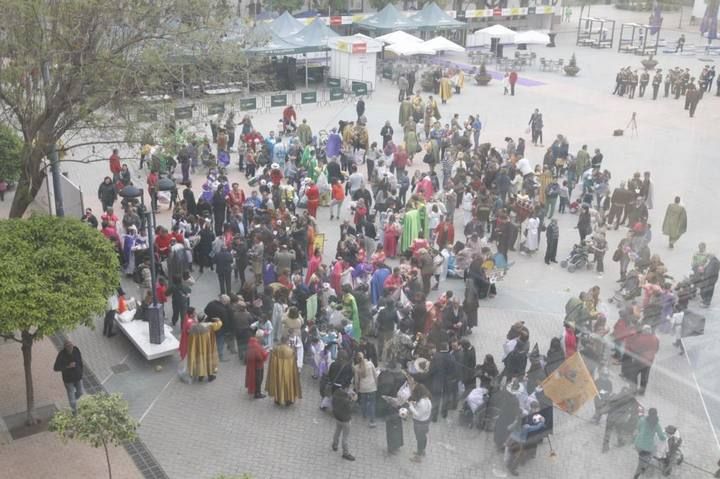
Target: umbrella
(532, 37)
(399, 37)
(442, 44)
(409, 49)
(504, 34)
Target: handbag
(617, 255)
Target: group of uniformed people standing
(677, 82)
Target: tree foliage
(282, 5)
(57, 274)
(380, 4)
(75, 64)
(10, 154)
(102, 420)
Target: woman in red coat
(313, 199)
(255, 366)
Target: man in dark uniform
(618, 83)
(668, 78)
(633, 83)
(644, 80)
(657, 80)
(694, 95)
(690, 93)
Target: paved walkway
(44, 455)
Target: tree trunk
(30, 182)
(107, 458)
(27, 343)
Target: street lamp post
(155, 317)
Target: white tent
(442, 44)
(409, 49)
(503, 34)
(532, 37)
(398, 37)
(354, 58)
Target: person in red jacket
(513, 80)
(312, 193)
(401, 160)
(115, 165)
(642, 348)
(569, 339)
(255, 366)
(289, 118)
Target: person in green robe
(406, 110)
(350, 310)
(675, 222)
(411, 141)
(304, 133)
(410, 229)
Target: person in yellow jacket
(283, 383)
(445, 89)
(202, 350)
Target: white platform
(138, 332)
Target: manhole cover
(120, 368)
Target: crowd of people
(365, 322)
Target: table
(138, 332)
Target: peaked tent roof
(442, 44)
(387, 19)
(279, 46)
(316, 34)
(347, 44)
(286, 25)
(432, 17)
(397, 37)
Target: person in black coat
(584, 224)
(189, 198)
(69, 363)
(442, 371)
(553, 236)
(554, 357)
(360, 108)
(204, 246)
(107, 194)
(220, 309)
(219, 206)
(223, 267)
(468, 364)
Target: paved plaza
(198, 431)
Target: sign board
(278, 100)
(308, 97)
(184, 113)
(216, 108)
(336, 94)
(148, 114)
(333, 82)
(359, 47)
(359, 88)
(497, 12)
(248, 104)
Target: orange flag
(570, 386)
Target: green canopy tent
(387, 20)
(286, 25)
(432, 17)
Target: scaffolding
(595, 32)
(639, 39)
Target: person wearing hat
(657, 80)
(255, 365)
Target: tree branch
(10, 337)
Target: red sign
(359, 48)
(497, 12)
(335, 20)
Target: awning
(387, 19)
(357, 43)
(504, 34)
(409, 49)
(532, 37)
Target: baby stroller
(474, 408)
(579, 258)
(673, 455)
(629, 290)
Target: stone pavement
(197, 431)
(44, 455)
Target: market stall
(354, 59)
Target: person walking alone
(420, 406)
(552, 234)
(342, 411)
(648, 427)
(69, 363)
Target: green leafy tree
(57, 275)
(76, 65)
(380, 4)
(10, 154)
(282, 5)
(101, 420)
